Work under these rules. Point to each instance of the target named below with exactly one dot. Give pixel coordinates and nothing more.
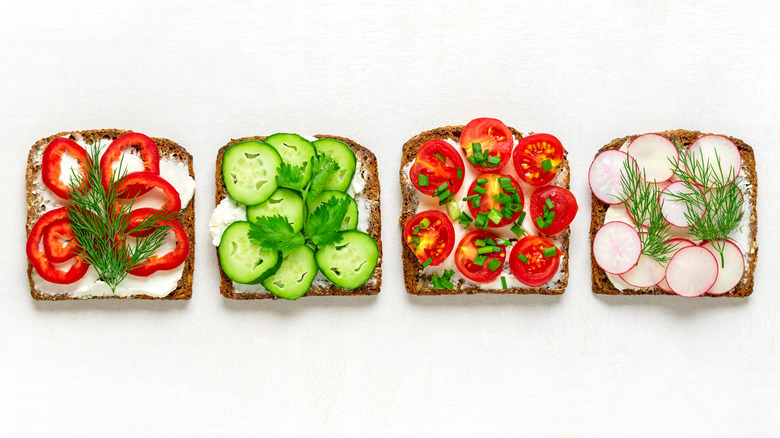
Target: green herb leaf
(326, 220)
(274, 233)
(290, 176)
(322, 167)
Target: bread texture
(419, 283)
(601, 284)
(367, 162)
(35, 207)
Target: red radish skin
(692, 271)
(646, 273)
(729, 273)
(681, 243)
(672, 209)
(604, 176)
(704, 151)
(617, 247)
(655, 155)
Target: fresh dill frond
(100, 219)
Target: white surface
(391, 365)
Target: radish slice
(681, 243)
(692, 271)
(605, 176)
(730, 268)
(616, 247)
(646, 273)
(673, 209)
(710, 149)
(655, 155)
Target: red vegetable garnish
(41, 262)
(169, 260)
(51, 165)
(135, 142)
(534, 268)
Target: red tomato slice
(564, 206)
(428, 164)
(138, 183)
(138, 143)
(169, 260)
(58, 241)
(38, 259)
(493, 136)
(51, 165)
(468, 251)
(529, 155)
(539, 269)
(490, 199)
(434, 241)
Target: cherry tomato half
(38, 259)
(496, 197)
(564, 206)
(494, 138)
(479, 267)
(529, 155)
(434, 241)
(51, 165)
(533, 268)
(137, 183)
(169, 260)
(137, 142)
(437, 163)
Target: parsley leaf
(290, 176)
(323, 166)
(274, 233)
(326, 220)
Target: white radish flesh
(618, 213)
(646, 273)
(730, 268)
(673, 209)
(616, 247)
(605, 176)
(655, 155)
(710, 150)
(681, 243)
(692, 271)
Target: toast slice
(367, 162)
(36, 206)
(419, 283)
(601, 283)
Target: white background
(394, 364)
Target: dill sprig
(641, 199)
(100, 220)
(714, 202)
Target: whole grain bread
(370, 173)
(417, 282)
(35, 206)
(601, 283)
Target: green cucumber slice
(295, 151)
(350, 262)
(350, 219)
(295, 274)
(284, 202)
(344, 156)
(242, 260)
(249, 171)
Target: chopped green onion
(480, 190)
(516, 198)
(446, 197)
(549, 203)
(549, 252)
(507, 211)
(503, 198)
(416, 230)
(446, 284)
(502, 242)
(522, 258)
(518, 230)
(448, 274)
(489, 241)
(453, 210)
(522, 218)
(425, 223)
(516, 207)
(485, 250)
(510, 189)
(440, 157)
(460, 173)
(505, 183)
(480, 260)
(494, 160)
(548, 218)
(469, 198)
(546, 164)
(481, 220)
(415, 240)
(494, 264)
(476, 148)
(495, 216)
(440, 188)
(503, 282)
(481, 181)
(480, 242)
(427, 262)
(539, 223)
(496, 249)
(472, 160)
(422, 180)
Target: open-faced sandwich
(110, 214)
(674, 212)
(486, 209)
(297, 217)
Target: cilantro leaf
(274, 233)
(326, 220)
(322, 166)
(290, 176)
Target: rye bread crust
(35, 208)
(418, 283)
(601, 283)
(368, 163)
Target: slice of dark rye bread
(168, 149)
(370, 174)
(602, 284)
(418, 283)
